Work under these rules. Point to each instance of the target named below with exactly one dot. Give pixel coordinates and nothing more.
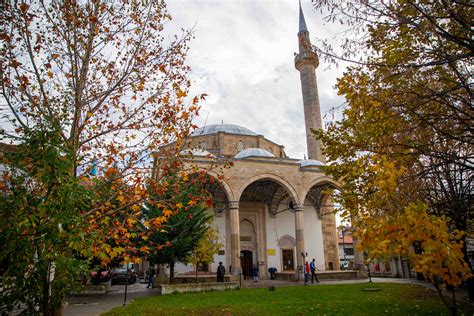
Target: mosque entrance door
(247, 263)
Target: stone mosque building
(271, 210)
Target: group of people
(310, 268)
(221, 272)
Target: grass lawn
(346, 299)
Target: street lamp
(126, 287)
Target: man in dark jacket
(313, 271)
(220, 272)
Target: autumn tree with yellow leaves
(403, 150)
(85, 85)
(206, 248)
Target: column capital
(233, 205)
(298, 207)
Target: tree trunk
(470, 281)
(452, 308)
(45, 303)
(171, 271)
(196, 267)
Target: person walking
(306, 272)
(255, 273)
(151, 275)
(312, 266)
(220, 272)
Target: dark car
(122, 275)
(100, 276)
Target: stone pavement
(96, 304)
(89, 305)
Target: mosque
(271, 211)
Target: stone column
(359, 262)
(299, 228)
(328, 226)
(234, 237)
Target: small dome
(253, 152)
(196, 152)
(227, 128)
(311, 163)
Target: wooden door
(247, 263)
(288, 259)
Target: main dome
(227, 128)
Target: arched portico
(261, 196)
(288, 187)
(319, 196)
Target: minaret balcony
(306, 58)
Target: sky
(242, 57)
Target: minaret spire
(302, 21)
(306, 62)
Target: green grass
(347, 299)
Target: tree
(187, 219)
(39, 221)
(403, 148)
(205, 249)
(84, 83)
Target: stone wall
(225, 144)
(201, 287)
(91, 289)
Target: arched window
(287, 245)
(240, 146)
(247, 231)
(203, 145)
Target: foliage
(342, 299)
(186, 224)
(403, 149)
(205, 249)
(84, 83)
(39, 221)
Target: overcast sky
(242, 57)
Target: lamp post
(126, 287)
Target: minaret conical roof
(302, 21)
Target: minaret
(306, 62)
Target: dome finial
(302, 21)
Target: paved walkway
(96, 304)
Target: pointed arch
(315, 192)
(292, 193)
(220, 191)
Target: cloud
(242, 57)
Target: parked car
(100, 276)
(122, 275)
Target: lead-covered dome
(310, 163)
(227, 128)
(196, 152)
(253, 152)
